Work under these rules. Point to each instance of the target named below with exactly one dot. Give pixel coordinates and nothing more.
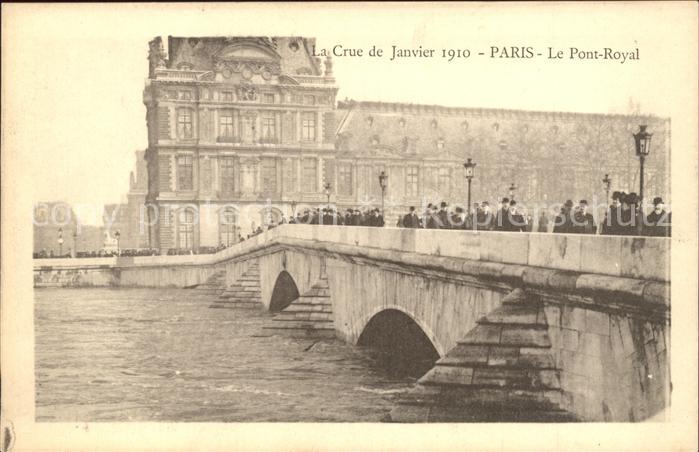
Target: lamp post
(293, 209)
(469, 166)
(60, 242)
(327, 191)
(383, 183)
(117, 235)
(512, 189)
(607, 181)
(642, 141)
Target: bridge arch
(285, 291)
(426, 330)
(407, 343)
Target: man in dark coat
(659, 221)
(563, 224)
(630, 220)
(433, 221)
(515, 221)
(411, 220)
(484, 217)
(583, 222)
(459, 219)
(306, 218)
(502, 222)
(444, 216)
(610, 226)
(543, 225)
(377, 218)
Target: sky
(77, 72)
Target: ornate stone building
(244, 129)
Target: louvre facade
(243, 130)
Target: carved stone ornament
(248, 92)
(247, 68)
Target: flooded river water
(165, 355)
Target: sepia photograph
(238, 218)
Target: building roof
(455, 133)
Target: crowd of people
(623, 217)
(198, 250)
(127, 252)
(328, 216)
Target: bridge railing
(646, 258)
(633, 257)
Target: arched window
(185, 229)
(228, 227)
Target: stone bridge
(513, 326)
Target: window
(445, 181)
(269, 98)
(184, 172)
(411, 179)
(227, 175)
(344, 182)
(228, 227)
(185, 229)
(186, 95)
(309, 100)
(308, 126)
(227, 96)
(225, 124)
(309, 175)
(268, 175)
(184, 123)
(269, 129)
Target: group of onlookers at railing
(330, 216)
(129, 252)
(43, 254)
(623, 217)
(199, 250)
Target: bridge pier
(536, 360)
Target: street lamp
(642, 141)
(469, 166)
(117, 235)
(383, 183)
(512, 189)
(607, 181)
(60, 242)
(293, 209)
(327, 191)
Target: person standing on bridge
(411, 220)
(610, 226)
(484, 217)
(658, 222)
(459, 220)
(583, 222)
(563, 223)
(543, 225)
(444, 216)
(502, 214)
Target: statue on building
(156, 55)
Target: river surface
(165, 355)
